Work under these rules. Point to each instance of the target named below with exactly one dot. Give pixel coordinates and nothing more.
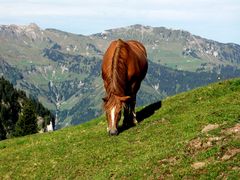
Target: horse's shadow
(143, 114)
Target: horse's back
(137, 47)
(135, 58)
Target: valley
(62, 69)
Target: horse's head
(113, 105)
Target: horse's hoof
(135, 122)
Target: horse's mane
(119, 68)
(117, 85)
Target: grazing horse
(124, 66)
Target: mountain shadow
(143, 114)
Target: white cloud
(170, 9)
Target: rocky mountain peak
(32, 31)
(33, 26)
(20, 28)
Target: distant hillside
(193, 135)
(178, 49)
(20, 115)
(62, 69)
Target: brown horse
(124, 66)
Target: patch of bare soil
(201, 144)
(198, 165)
(233, 131)
(170, 161)
(198, 144)
(236, 168)
(210, 127)
(167, 174)
(206, 141)
(194, 146)
(230, 153)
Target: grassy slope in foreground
(176, 141)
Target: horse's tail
(119, 68)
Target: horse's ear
(104, 99)
(123, 98)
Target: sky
(213, 19)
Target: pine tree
(2, 130)
(27, 122)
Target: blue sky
(213, 19)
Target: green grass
(67, 105)
(158, 147)
(171, 56)
(186, 64)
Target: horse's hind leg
(126, 119)
(133, 113)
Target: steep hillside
(191, 135)
(19, 114)
(62, 69)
